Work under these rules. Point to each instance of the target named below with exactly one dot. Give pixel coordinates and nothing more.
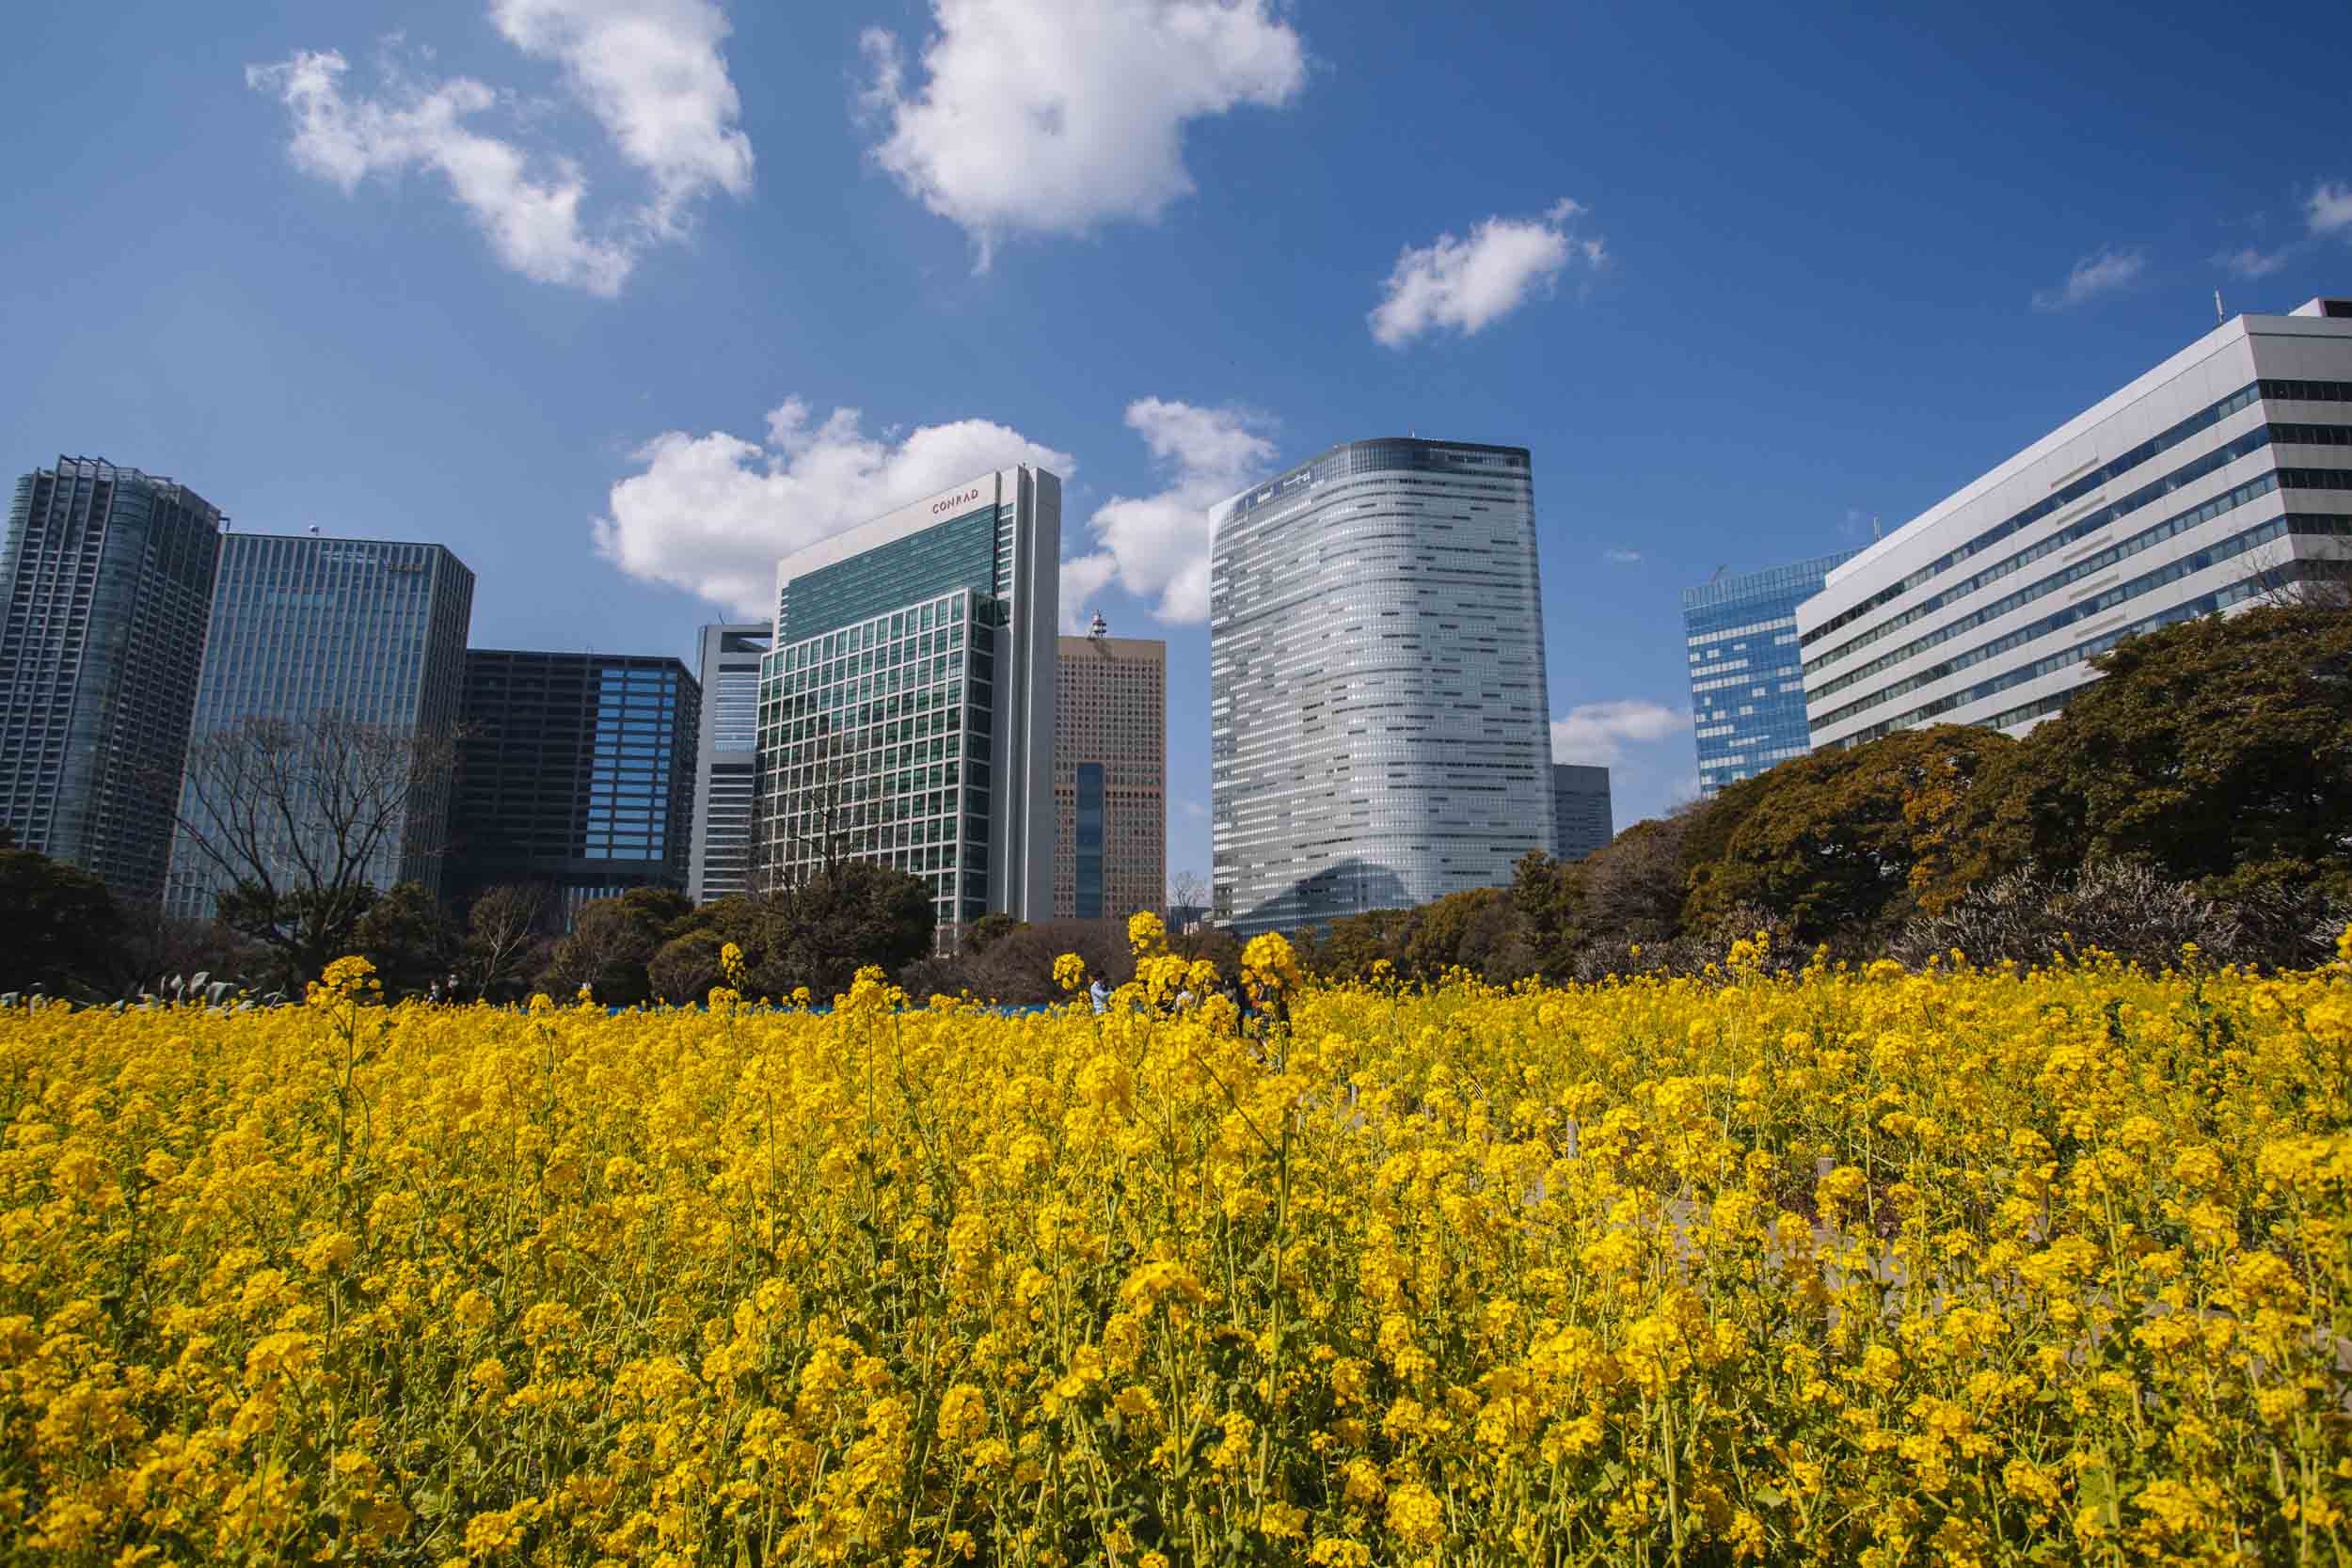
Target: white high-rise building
(1379, 733)
(726, 760)
(2223, 472)
(906, 710)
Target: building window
(1089, 858)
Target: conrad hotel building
(906, 707)
(2200, 487)
(1380, 729)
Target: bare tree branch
(302, 819)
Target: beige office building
(1110, 777)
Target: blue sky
(582, 288)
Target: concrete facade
(1110, 777)
(727, 759)
(2194, 490)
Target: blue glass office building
(1747, 674)
(576, 774)
(1379, 733)
(107, 577)
(371, 631)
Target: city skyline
(1715, 312)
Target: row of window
(2090, 565)
(2213, 555)
(2212, 463)
(2058, 500)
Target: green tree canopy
(2218, 750)
(61, 926)
(1841, 842)
(409, 937)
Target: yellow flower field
(1965, 1268)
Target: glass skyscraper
(1379, 733)
(726, 760)
(906, 710)
(108, 576)
(369, 631)
(1110, 777)
(1580, 816)
(1747, 676)
(576, 774)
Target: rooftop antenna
(1101, 627)
(1721, 570)
(1874, 525)
(314, 527)
(2217, 316)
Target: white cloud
(1597, 733)
(1157, 546)
(1057, 116)
(2093, 276)
(2329, 209)
(1618, 556)
(1469, 284)
(532, 222)
(649, 70)
(2246, 261)
(652, 74)
(713, 514)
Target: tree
(607, 950)
(1844, 841)
(2287, 582)
(687, 967)
(2219, 751)
(407, 935)
(61, 924)
(501, 937)
(841, 919)
(813, 825)
(302, 819)
(986, 930)
(1188, 891)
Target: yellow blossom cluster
(1966, 1267)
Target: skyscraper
(1747, 679)
(1581, 819)
(576, 773)
(2200, 487)
(1378, 725)
(108, 576)
(726, 760)
(1110, 777)
(907, 709)
(370, 632)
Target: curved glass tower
(1380, 730)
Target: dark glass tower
(108, 576)
(367, 632)
(576, 773)
(1579, 810)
